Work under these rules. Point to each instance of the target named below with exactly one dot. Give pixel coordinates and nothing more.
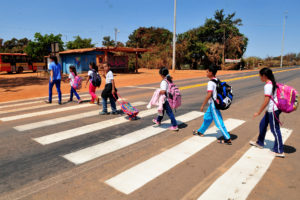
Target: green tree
(41, 46)
(80, 43)
(14, 45)
(107, 41)
(149, 37)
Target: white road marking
(34, 102)
(64, 119)
(16, 117)
(101, 149)
(139, 175)
(41, 98)
(241, 178)
(56, 137)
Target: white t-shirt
(72, 78)
(268, 92)
(212, 87)
(109, 77)
(90, 72)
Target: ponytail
(269, 74)
(165, 72)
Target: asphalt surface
(29, 170)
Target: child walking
(164, 73)
(271, 115)
(71, 78)
(92, 89)
(109, 91)
(212, 113)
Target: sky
(262, 19)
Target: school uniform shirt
(109, 77)
(72, 78)
(268, 92)
(90, 74)
(212, 87)
(164, 86)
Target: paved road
(70, 152)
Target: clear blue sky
(262, 19)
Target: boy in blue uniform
(212, 113)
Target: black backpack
(224, 95)
(96, 79)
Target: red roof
(110, 49)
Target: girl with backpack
(271, 115)
(71, 78)
(92, 89)
(164, 73)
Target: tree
(149, 37)
(108, 42)
(41, 46)
(14, 45)
(80, 43)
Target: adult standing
(55, 78)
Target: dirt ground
(29, 84)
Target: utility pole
(116, 32)
(174, 38)
(223, 53)
(282, 44)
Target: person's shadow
(286, 148)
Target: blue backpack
(224, 95)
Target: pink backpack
(287, 98)
(174, 96)
(77, 82)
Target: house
(81, 58)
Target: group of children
(212, 114)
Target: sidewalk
(29, 85)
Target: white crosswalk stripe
(56, 137)
(241, 178)
(34, 114)
(31, 102)
(60, 120)
(101, 149)
(139, 175)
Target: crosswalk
(242, 177)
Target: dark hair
(213, 69)
(94, 66)
(165, 72)
(269, 74)
(54, 58)
(73, 69)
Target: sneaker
(256, 144)
(114, 113)
(70, 100)
(174, 128)
(103, 113)
(156, 122)
(79, 101)
(280, 155)
(59, 103)
(48, 102)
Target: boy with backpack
(212, 113)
